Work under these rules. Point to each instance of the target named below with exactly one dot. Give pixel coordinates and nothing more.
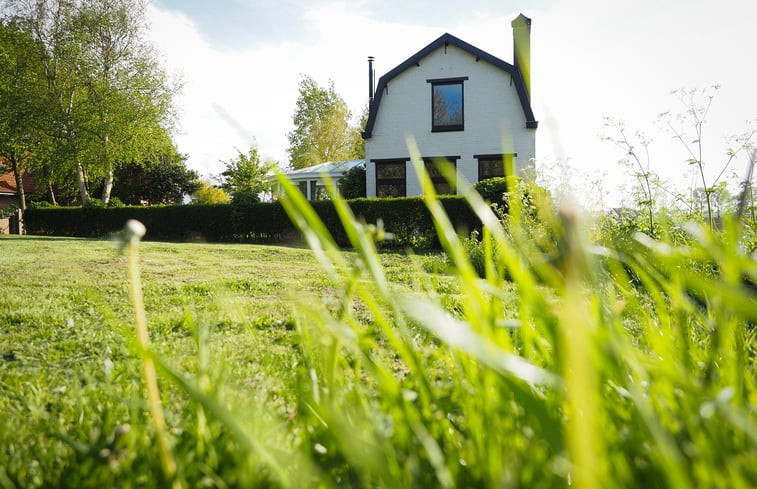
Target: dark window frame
(502, 157)
(303, 186)
(439, 179)
(401, 182)
(448, 81)
(318, 190)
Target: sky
(240, 63)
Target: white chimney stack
(522, 49)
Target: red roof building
(9, 187)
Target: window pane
(443, 188)
(390, 190)
(320, 193)
(390, 170)
(432, 170)
(448, 105)
(390, 179)
(490, 168)
(312, 189)
(303, 186)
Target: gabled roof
(332, 168)
(9, 186)
(445, 40)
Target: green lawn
(69, 372)
(566, 365)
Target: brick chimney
(522, 48)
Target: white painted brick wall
(494, 119)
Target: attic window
(447, 107)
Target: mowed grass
(69, 371)
(554, 362)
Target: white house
(310, 179)
(459, 103)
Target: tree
(245, 174)
(208, 194)
(352, 183)
(356, 141)
(107, 98)
(162, 178)
(18, 84)
(322, 131)
(57, 52)
(128, 97)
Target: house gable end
(445, 40)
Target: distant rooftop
(333, 168)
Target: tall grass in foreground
(567, 364)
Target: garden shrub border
(406, 218)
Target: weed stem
(134, 231)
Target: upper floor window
(447, 104)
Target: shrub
(492, 190)
(352, 183)
(39, 204)
(8, 211)
(407, 219)
(242, 197)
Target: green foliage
(244, 198)
(99, 204)
(100, 95)
(357, 143)
(209, 194)
(70, 373)
(630, 385)
(7, 212)
(406, 219)
(577, 365)
(246, 174)
(321, 127)
(492, 190)
(162, 178)
(532, 218)
(19, 100)
(352, 183)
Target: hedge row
(406, 218)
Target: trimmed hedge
(406, 218)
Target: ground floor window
(318, 191)
(391, 178)
(494, 165)
(441, 185)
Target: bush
(39, 204)
(492, 190)
(352, 183)
(8, 211)
(407, 219)
(210, 222)
(242, 197)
